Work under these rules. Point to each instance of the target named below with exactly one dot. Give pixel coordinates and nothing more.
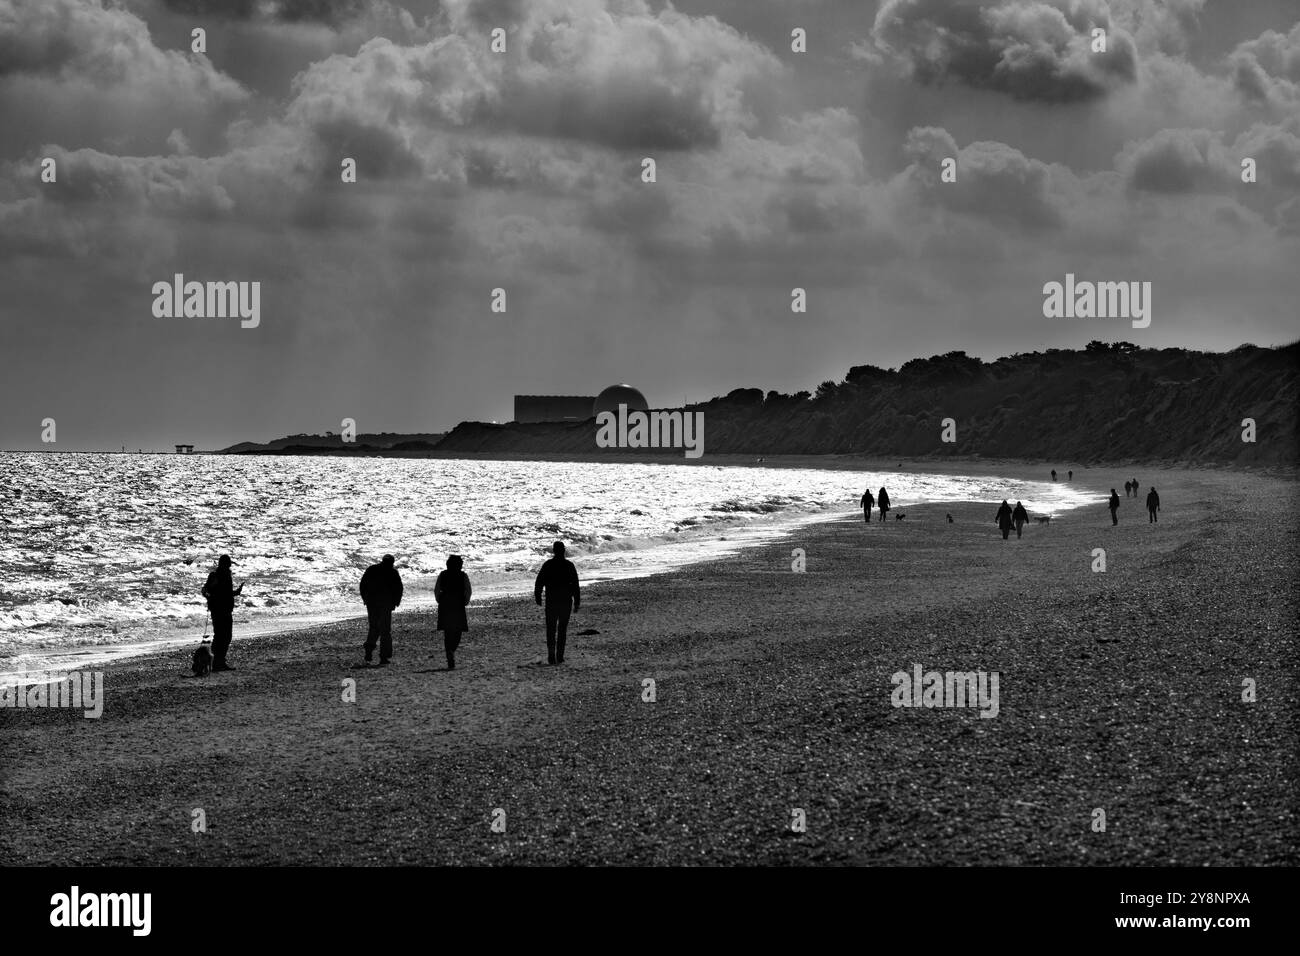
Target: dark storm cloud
(287, 11)
(378, 150)
(1178, 161)
(172, 185)
(522, 170)
(1185, 161)
(1028, 49)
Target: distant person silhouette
(1003, 519)
(1128, 488)
(559, 579)
(1153, 505)
(882, 502)
(1021, 517)
(1135, 487)
(381, 589)
(1070, 474)
(1114, 506)
(221, 592)
(868, 503)
(1053, 474)
(452, 591)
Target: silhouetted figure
(868, 503)
(1003, 519)
(452, 592)
(1114, 506)
(950, 519)
(381, 589)
(1053, 474)
(1135, 487)
(1153, 505)
(882, 502)
(1070, 474)
(559, 579)
(221, 592)
(1020, 516)
(1128, 488)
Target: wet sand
(1119, 690)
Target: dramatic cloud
(1268, 68)
(522, 170)
(994, 181)
(1029, 50)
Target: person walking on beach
(1070, 475)
(1053, 474)
(1153, 505)
(559, 579)
(882, 502)
(1021, 517)
(1114, 507)
(1003, 519)
(452, 592)
(381, 589)
(1128, 488)
(221, 592)
(868, 503)
(1135, 487)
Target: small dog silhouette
(1044, 520)
(950, 521)
(202, 659)
(899, 517)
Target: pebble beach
(1120, 690)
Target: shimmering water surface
(104, 550)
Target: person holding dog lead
(221, 592)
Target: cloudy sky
(521, 170)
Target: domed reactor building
(577, 408)
(616, 395)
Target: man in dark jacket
(868, 502)
(1114, 506)
(1003, 519)
(221, 592)
(1021, 517)
(559, 579)
(381, 589)
(1153, 505)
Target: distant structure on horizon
(184, 449)
(577, 408)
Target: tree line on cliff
(1105, 402)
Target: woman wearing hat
(452, 592)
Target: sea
(103, 555)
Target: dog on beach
(1044, 520)
(950, 521)
(202, 660)
(899, 517)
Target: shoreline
(1119, 690)
(847, 461)
(56, 658)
